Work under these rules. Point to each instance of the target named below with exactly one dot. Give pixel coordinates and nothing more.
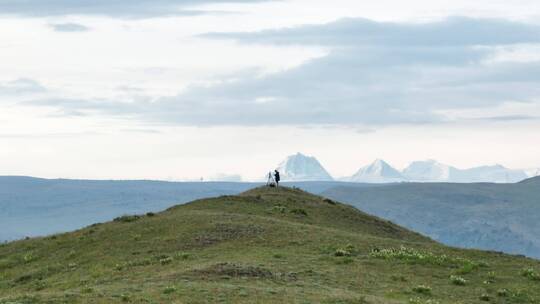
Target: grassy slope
(251, 248)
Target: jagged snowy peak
(378, 172)
(429, 171)
(300, 167)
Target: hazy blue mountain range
(501, 217)
(32, 206)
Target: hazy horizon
(234, 177)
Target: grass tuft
(299, 212)
(457, 280)
(422, 289)
(530, 273)
(127, 218)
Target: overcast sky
(183, 89)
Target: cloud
(355, 32)
(374, 74)
(46, 135)
(506, 118)
(111, 8)
(21, 86)
(69, 27)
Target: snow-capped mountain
(300, 167)
(489, 174)
(429, 171)
(378, 172)
(433, 171)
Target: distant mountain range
(433, 171)
(300, 167)
(34, 206)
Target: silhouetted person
(277, 178)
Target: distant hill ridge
(503, 217)
(532, 180)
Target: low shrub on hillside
(423, 289)
(279, 209)
(348, 250)
(467, 267)
(342, 253)
(169, 290)
(29, 257)
(485, 297)
(329, 201)
(182, 255)
(503, 292)
(166, 261)
(457, 280)
(125, 298)
(491, 277)
(530, 274)
(300, 212)
(127, 218)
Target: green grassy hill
(264, 246)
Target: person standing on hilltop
(277, 178)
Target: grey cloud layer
(113, 8)
(454, 31)
(69, 27)
(375, 74)
(21, 86)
